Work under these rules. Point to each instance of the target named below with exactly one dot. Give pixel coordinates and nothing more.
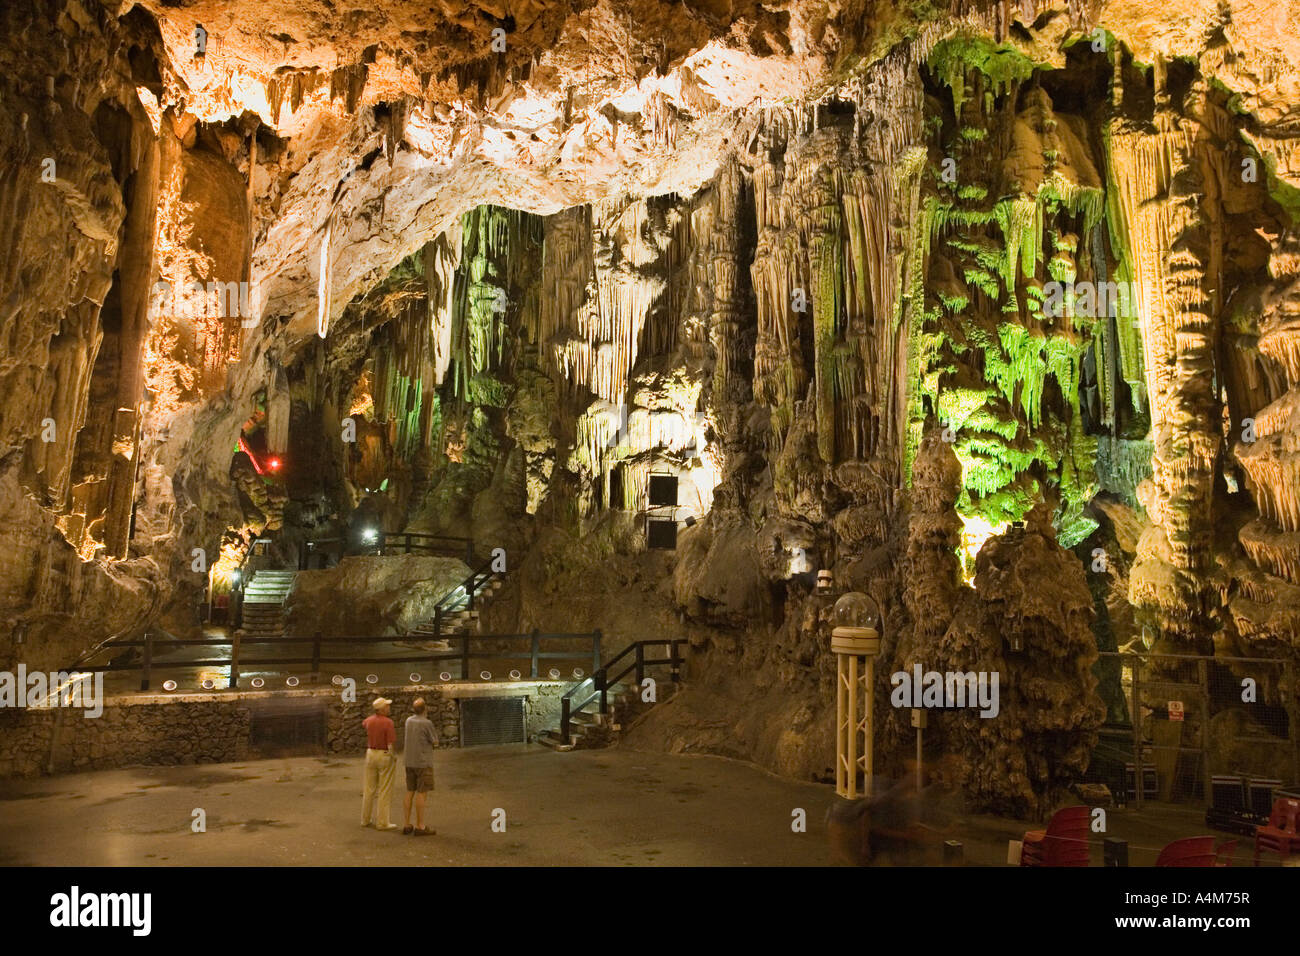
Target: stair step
(551, 738)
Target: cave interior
(674, 320)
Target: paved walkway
(601, 807)
(613, 807)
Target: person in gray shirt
(421, 739)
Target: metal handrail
(236, 613)
(470, 584)
(602, 681)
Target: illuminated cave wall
(815, 273)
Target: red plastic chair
(1280, 835)
(1223, 855)
(1063, 843)
(1189, 851)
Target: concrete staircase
(264, 597)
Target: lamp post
(855, 639)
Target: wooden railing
(466, 655)
(389, 542)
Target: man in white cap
(381, 764)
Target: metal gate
(1191, 719)
(492, 720)
(283, 728)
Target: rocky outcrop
(370, 596)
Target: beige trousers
(378, 786)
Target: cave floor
(614, 807)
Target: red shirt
(380, 732)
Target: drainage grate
(282, 728)
(491, 720)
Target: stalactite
(983, 320)
(1272, 460)
(596, 296)
(440, 258)
(278, 405)
(135, 270)
(1171, 308)
(722, 244)
(324, 281)
(403, 369)
(832, 236)
(825, 300)
(349, 82)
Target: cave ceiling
(542, 106)
(585, 102)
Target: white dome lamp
(855, 639)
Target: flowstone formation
(989, 310)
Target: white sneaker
(387, 826)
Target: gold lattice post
(855, 651)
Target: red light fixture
(273, 464)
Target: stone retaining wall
(174, 729)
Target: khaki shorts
(419, 779)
